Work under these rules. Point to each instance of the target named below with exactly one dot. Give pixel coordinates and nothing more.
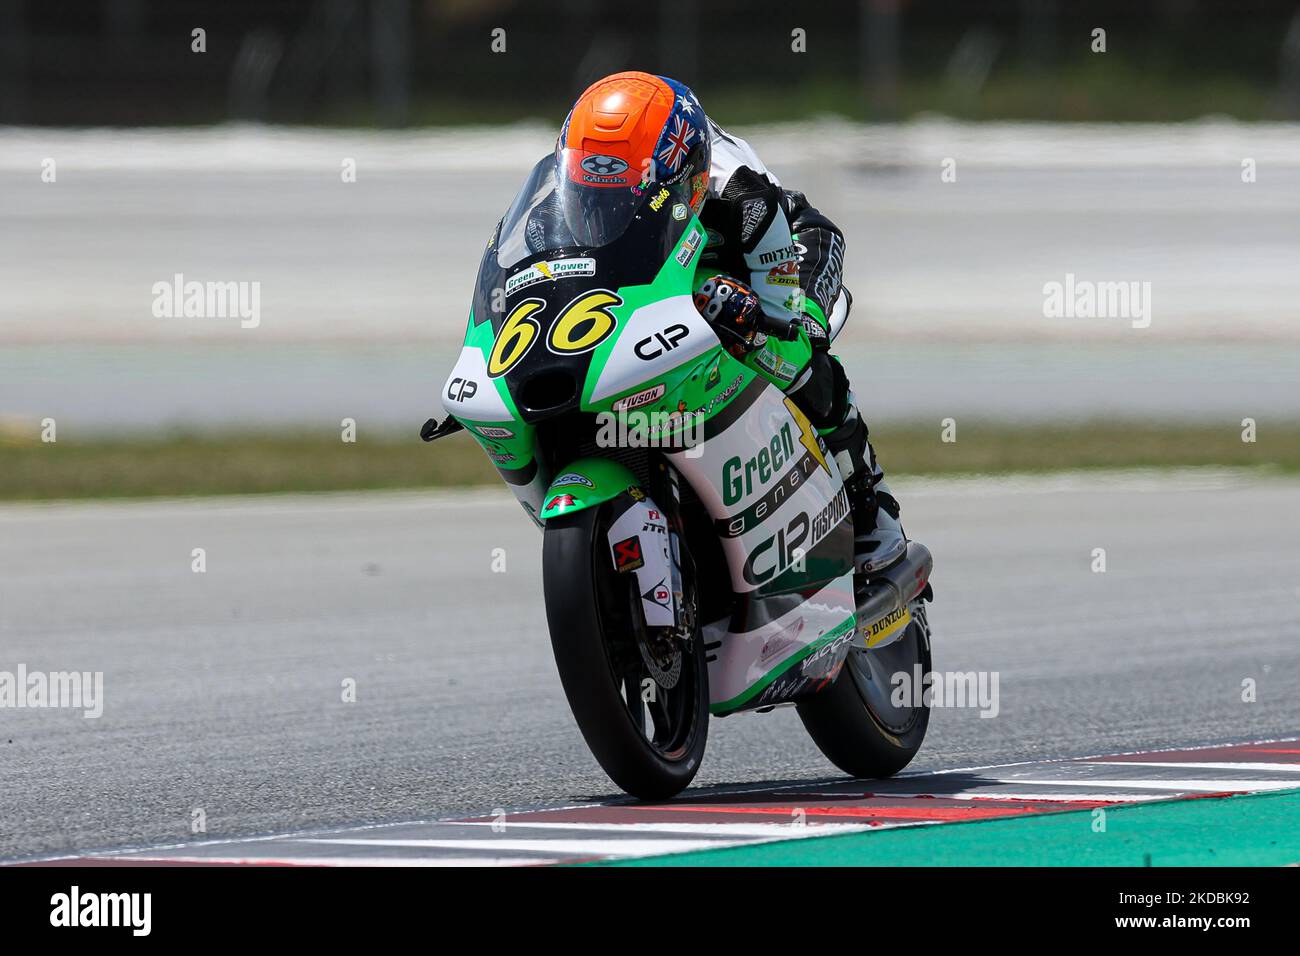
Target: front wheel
(640, 699)
(858, 722)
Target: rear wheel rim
(872, 671)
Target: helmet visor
(599, 195)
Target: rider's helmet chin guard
(636, 132)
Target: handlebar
(787, 330)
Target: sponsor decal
(635, 493)
(604, 165)
(660, 198)
(785, 273)
(823, 662)
(679, 211)
(687, 252)
(887, 626)
(637, 399)
(559, 502)
(665, 340)
(800, 535)
(461, 389)
(536, 233)
(495, 431)
(783, 689)
(713, 404)
(752, 213)
(738, 474)
(550, 272)
(501, 457)
(601, 170)
(777, 255)
(777, 366)
(573, 478)
(775, 496)
(627, 554)
(714, 377)
(830, 516)
(808, 436)
(659, 594)
(781, 642)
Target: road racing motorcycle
(701, 565)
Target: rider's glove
(816, 333)
(733, 309)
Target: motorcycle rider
(768, 251)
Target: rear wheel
(641, 699)
(857, 723)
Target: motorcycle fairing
(660, 347)
(786, 610)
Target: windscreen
(574, 198)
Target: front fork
(669, 483)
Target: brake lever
(431, 430)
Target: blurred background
(973, 152)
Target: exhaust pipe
(882, 607)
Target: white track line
(1209, 786)
(421, 861)
(604, 848)
(974, 796)
(1260, 767)
(782, 830)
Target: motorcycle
(696, 535)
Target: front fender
(587, 482)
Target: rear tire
(852, 721)
(598, 633)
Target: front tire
(651, 750)
(854, 722)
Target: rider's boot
(878, 537)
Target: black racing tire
(593, 613)
(850, 724)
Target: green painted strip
(1248, 830)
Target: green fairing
(506, 453)
(704, 385)
(608, 479)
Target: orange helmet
(634, 128)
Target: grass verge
(255, 462)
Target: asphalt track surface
(223, 689)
